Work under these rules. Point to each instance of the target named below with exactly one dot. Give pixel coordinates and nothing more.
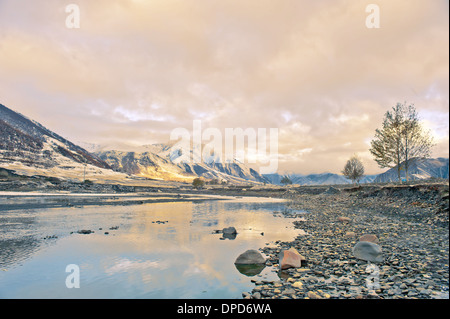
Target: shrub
(198, 183)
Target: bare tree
(386, 146)
(402, 140)
(354, 169)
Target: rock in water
(290, 259)
(85, 231)
(229, 231)
(250, 257)
(368, 251)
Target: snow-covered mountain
(167, 161)
(419, 169)
(28, 148)
(144, 164)
(24, 140)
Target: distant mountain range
(29, 148)
(418, 170)
(316, 179)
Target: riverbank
(410, 224)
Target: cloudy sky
(137, 69)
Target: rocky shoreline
(409, 222)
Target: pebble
(256, 295)
(313, 295)
(414, 243)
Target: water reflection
(229, 236)
(250, 270)
(177, 257)
(15, 251)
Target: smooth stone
(249, 257)
(288, 291)
(313, 295)
(368, 251)
(256, 295)
(350, 234)
(344, 219)
(229, 230)
(297, 284)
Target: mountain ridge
(27, 146)
(165, 163)
(419, 169)
(316, 179)
(22, 137)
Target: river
(166, 250)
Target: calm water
(181, 258)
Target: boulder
(290, 259)
(370, 238)
(229, 231)
(250, 257)
(368, 251)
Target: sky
(135, 70)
